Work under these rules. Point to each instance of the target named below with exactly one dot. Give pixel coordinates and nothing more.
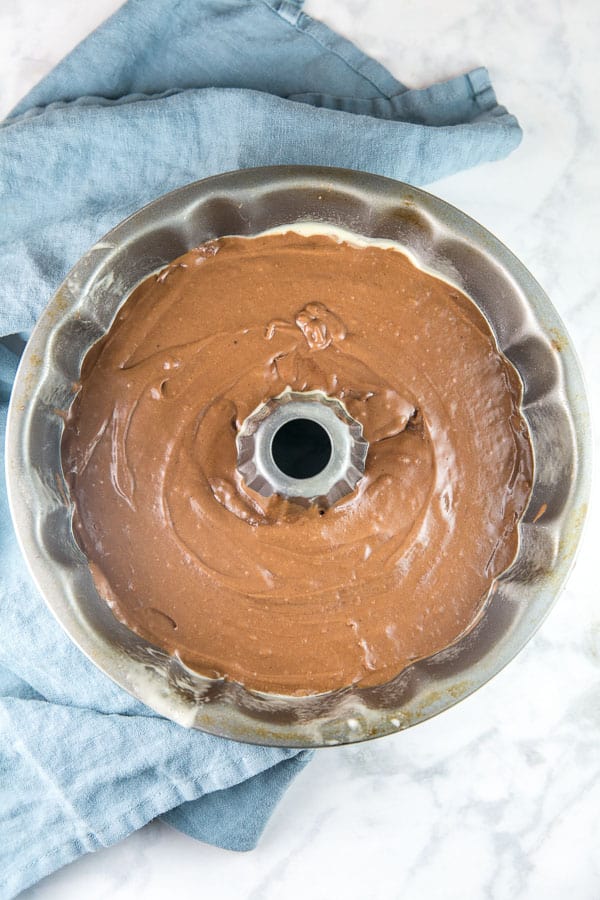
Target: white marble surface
(500, 797)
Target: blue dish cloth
(162, 94)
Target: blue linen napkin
(160, 95)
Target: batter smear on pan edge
(277, 596)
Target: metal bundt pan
(442, 239)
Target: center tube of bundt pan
(303, 446)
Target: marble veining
(498, 798)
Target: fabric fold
(96, 778)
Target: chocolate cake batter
(280, 597)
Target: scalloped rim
(426, 229)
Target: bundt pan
(442, 239)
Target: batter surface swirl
(263, 591)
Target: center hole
(301, 448)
